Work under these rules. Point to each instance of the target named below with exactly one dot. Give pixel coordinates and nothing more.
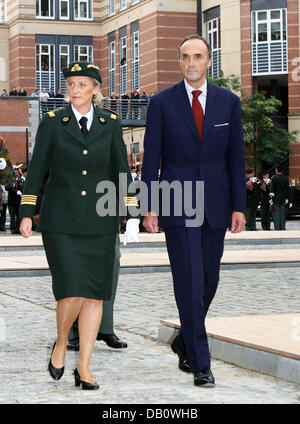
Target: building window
(45, 9)
(135, 60)
(3, 14)
(123, 4)
(82, 9)
(45, 76)
(64, 9)
(112, 67)
(213, 36)
(83, 53)
(111, 7)
(134, 1)
(64, 60)
(123, 65)
(269, 42)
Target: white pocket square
(221, 125)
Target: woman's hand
(26, 227)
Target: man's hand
(26, 227)
(238, 222)
(150, 222)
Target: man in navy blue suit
(194, 134)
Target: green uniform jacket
(76, 165)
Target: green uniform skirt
(81, 266)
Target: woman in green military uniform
(80, 145)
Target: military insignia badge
(102, 120)
(76, 67)
(66, 119)
(51, 114)
(113, 116)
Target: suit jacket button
(84, 152)
(84, 172)
(83, 193)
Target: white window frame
(89, 9)
(3, 11)
(134, 1)
(78, 55)
(38, 13)
(210, 32)
(112, 67)
(68, 8)
(123, 4)
(268, 21)
(38, 48)
(64, 54)
(135, 58)
(111, 7)
(123, 68)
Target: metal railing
(132, 112)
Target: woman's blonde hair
(96, 99)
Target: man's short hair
(279, 168)
(196, 37)
(249, 171)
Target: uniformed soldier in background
(81, 146)
(279, 189)
(265, 212)
(253, 198)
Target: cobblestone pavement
(147, 371)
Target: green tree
(265, 141)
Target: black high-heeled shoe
(56, 373)
(85, 385)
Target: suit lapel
(185, 110)
(98, 126)
(71, 125)
(210, 109)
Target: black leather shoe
(204, 378)
(56, 373)
(183, 363)
(112, 340)
(85, 385)
(73, 345)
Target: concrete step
(159, 261)
(269, 344)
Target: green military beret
(84, 69)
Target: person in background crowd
(134, 104)
(51, 99)
(22, 92)
(133, 172)
(44, 96)
(13, 92)
(15, 189)
(124, 105)
(59, 99)
(114, 102)
(279, 193)
(265, 212)
(4, 93)
(4, 200)
(253, 198)
(144, 105)
(36, 93)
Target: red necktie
(198, 111)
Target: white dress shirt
(201, 98)
(89, 116)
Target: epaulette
(113, 114)
(52, 113)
